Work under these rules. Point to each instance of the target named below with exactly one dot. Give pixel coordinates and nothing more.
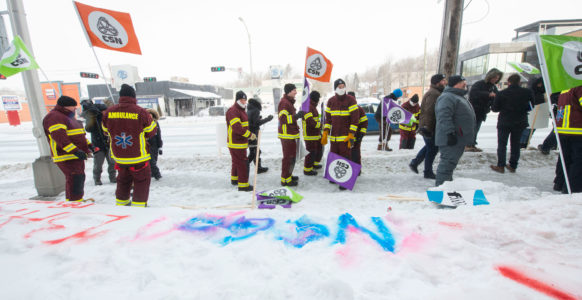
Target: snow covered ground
(332, 245)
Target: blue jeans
(426, 154)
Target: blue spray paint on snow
(386, 241)
(239, 229)
(306, 232)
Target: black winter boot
(413, 166)
(246, 189)
(261, 169)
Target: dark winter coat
(479, 94)
(454, 114)
(93, 121)
(513, 104)
(156, 140)
(254, 114)
(427, 118)
(128, 126)
(64, 133)
(538, 92)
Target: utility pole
(48, 179)
(450, 37)
(423, 71)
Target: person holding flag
(312, 136)
(341, 121)
(380, 116)
(408, 131)
(288, 134)
(455, 127)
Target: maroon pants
(341, 148)
(407, 139)
(315, 152)
(240, 166)
(74, 171)
(289, 152)
(137, 175)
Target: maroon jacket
(129, 127)
(238, 127)
(415, 111)
(288, 128)
(569, 118)
(65, 134)
(341, 117)
(363, 123)
(312, 124)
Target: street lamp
(250, 51)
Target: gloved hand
(412, 121)
(252, 137)
(160, 152)
(299, 115)
(425, 132)
(451, 139)
(268, 118)
(81, 154)
(324, 137)
(350, 139)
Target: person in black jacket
(255, 122)
(93, 114)
(156, 145)
(538, 89)
(481, 97)
(550, 142)
(513, 104)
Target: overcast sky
(185, 38)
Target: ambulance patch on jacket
(123, 141)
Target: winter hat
(240, 95)
(338, 82)
(414, 98)
(453, 80)
(289, 87)
(437, 78)
(66, 101)
(353, 94)
(314, 95)
(397, 93)
(126, 91)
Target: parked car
(370, 109)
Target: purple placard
(394, 112)
(306, 97)
(343, 171)
(270, 202)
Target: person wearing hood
(408, 131)
(380, 117)
(312, 136)
(539, 92)
(254, 108)
(288, 133)
(93, 114)
(156, 143)
(455, 127)
(237, 141)
(129, 126)
(427, 126)
(69, 146)
(481, 97)
(341, 122)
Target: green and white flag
(16, 59)
(560, 60)
(524, 67)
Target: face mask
(241, 104)
(414, 104)
(340, 92)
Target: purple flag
(341, 170)
(394, 112)
(271, 202)
(305, 99)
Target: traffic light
(149, 79)
(217, 69)
(89, 75)
(2, 77)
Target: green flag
(16, 59)
(524, 67)
(561, 60)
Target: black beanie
(66, 101)
(289, 87)
(338, 82)
(437, 78)
(126, 91)
(314, 95)
(240, 95)
(453, 80)
(414, 98)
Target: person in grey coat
(455, 127)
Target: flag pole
(546, 78)
(49, 81)
(103, 74)
(254, 201)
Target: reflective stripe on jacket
(569, 117)
(341, 117)
(311, 124)
(288, 128)
(65, 134)
(237, 123)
